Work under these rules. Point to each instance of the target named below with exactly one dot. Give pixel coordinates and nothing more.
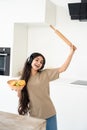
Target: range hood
(78, 11)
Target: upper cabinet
(34, 11)
(24, 11)
(50, 12)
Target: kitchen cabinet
(19, 50)
(25, 11)
(70, 100)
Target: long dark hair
(24, 100)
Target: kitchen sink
(80, 82)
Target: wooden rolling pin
(62, 37)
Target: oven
(5, 61)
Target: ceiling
(64, 2)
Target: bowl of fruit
(16, 84)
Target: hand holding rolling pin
(63, 38)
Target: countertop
(9, 121)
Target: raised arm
(65, 65)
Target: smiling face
(37, 63)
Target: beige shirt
(41, 105)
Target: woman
(34, 98)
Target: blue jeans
(51, 123)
